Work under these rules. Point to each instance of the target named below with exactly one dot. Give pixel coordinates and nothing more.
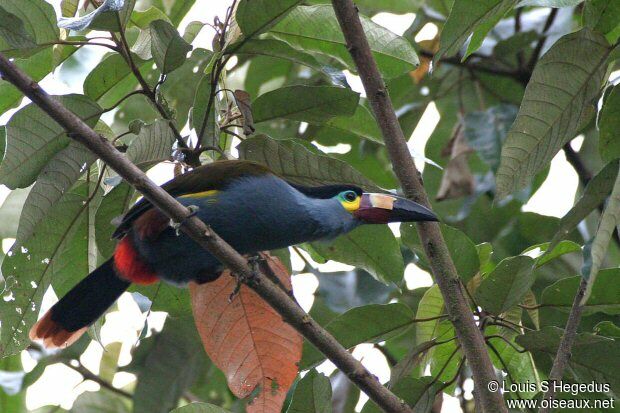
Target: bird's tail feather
(70, 317)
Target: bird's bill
(384, 208)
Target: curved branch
(469, 335)
(206, 238)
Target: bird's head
(373, 208)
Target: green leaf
(102, 401)
(167, 46)
(590, 358)
(315, 29)
(594, 194)
(142, 46)
(561, 248)
(181, 86)
(59, 246)
(530, 301)
(603, 16)
(598, 249)
(444, 357)
(520, 365)
(108, 19)
(467, 17)
(61, 172)
(109, 7)
(172, 364)
(370, 247)
(199, 109)
(342, 291)
(12, 30)
(485, 131)
(549, 3)
(12, 394)
(389, 6)
(313, 394)
(506, 285)
(37, 67)
(105, 77)
(38, 23)
(282, 50)
(33, 138)
(607, 329)
(305, 103)
(485, 251)
(108, 364)
(462, 249)
(114, 204)
(152, 145)
(298, 165)
(418, 393)
(257, 16)
(10, 211)
(68, 8)
(192, 30)
(370, 323)
(431, 307)
(200, 408)
(605, 295)
(609, 125)
(143, 19)
(552, 109)
(362, 123)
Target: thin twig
(121, 100)
(207, 238)
(493, 70)
(518, 350)
(568, 338)
(541, 41)
(506, 369)
(89, 375)
(469, 335)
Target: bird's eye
(349, 196)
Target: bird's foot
(176, 226)
(254, 262)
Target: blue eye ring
(349, 196)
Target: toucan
(249, 206)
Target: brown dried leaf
(430, 46)
(457, 180)
(247, 339)
(243, 103)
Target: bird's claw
(176, 226)
(254, 263)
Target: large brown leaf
(257, 351)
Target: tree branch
(564, 350)
(209, 240)
(469, 335)
(521, 76)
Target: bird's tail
(70, 317)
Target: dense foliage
(514, 83)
